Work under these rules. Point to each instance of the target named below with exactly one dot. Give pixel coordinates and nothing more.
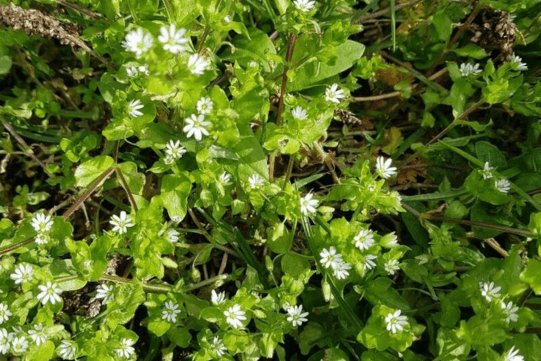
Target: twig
(455, 37)
(496, 246)
(379, 13)
(127, 189)
(375, 97)
(26, 148)
(83, 11)
(433, 217)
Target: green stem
(223, 277)
(149, 288)
(12, 247)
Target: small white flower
(234, 316)
(255, 181)
(503, 185)
(19, 345)
(299, 113)
(143, 69)
(173, 40)
(217, 346)
(487, 171)
(391, 266)
(5, 341)
(196, 126)
(227, 19)
(138, 42)
(103, 292)
(217, 298)
(467, 69)
(341, 270)
(67, 350)
(512, 355)
(384, 169)
(122, 223)
(23, 273)
(132, 71)
(334, 94)
(133, 108)
(296, 316)
(225, 178)
(517, 61)
(171, 311)
(37, 335)
(329, 258)
(369, 262)
(126, 350)
(204, 106)
(174, 150)
(488, 291)
(42, 223)
(4, 313)
(364, 239)
(50, 293)
(42, 238)
(511, 311)
(197, 64)
(395, 322)
(308, 205)
(172, 236)
(304, 5)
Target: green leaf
(294, 264)
(347, 54)
(88, 171)
(252, 159)
(5, 64)
(471, 50)
(380, 291)
(174, 194)
(486, 152)
(532, 275)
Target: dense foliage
(270, 179)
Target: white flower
(329, 258)
(132, 71)
(37, 335)
(468, 69)
(42, 238)
(334, 94)
(217, 298)
(341, 270)
(23, 273)
(197, 64)
(174, 150)
(296, 316)
(391, 266)
(143, 69)
(299, 113)
(369, 262)
(512, 355)
(42, 223)
(225, 178)
(103, 292)
(122, 223)
(308, 205)
(304, 5)
(171, 311)
(503, 185)
(19, 345)
(217, 346)
(384, 169)
(255, 181)
(67, 350)
(173, 40)
(196, 126)
(138, 42)
(487, 171)
(234, 316)
(5, 341)
(133, 108)
(4, 313)
(488, 291)
(517, 60)
(126, 350)
(511, 311)
(50, 293)
(395, 322)
(204, 106)
(364, 239)
(172, 235)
